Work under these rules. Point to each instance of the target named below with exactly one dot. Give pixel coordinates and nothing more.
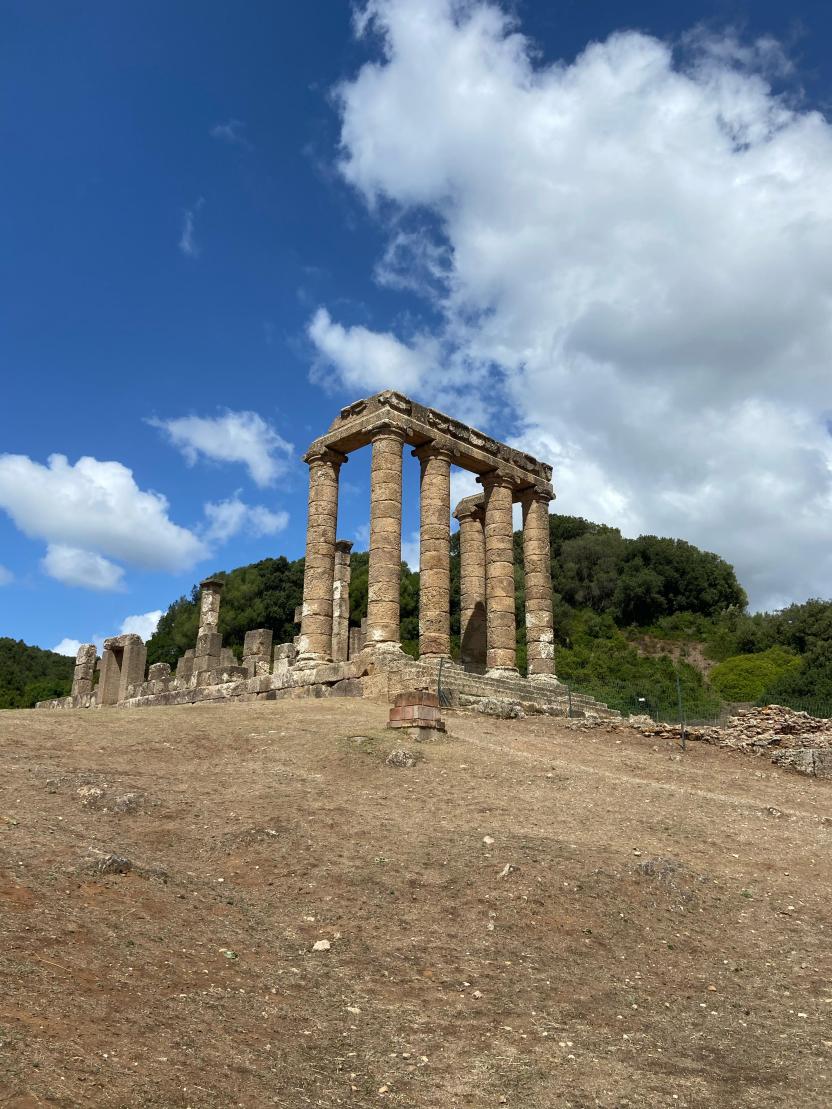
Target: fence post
(681, 710)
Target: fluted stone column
(537, 569)
(315, 639)
(472, 620)
(501, 629)
(434, 551)
(384, 584)
(341, 602)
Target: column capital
(470, 508)
(387, 429)
(496, 479)
(316, 455)
(343, 545)
(541, 493)
(436, 448)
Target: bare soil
(647, 928)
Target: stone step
(508, 688)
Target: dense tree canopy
(28, 675)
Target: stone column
(435, 551)
(315, 639)
(384, 585)
(537, 569)
(501, 627)
(84, 676)
(472, 620)
(208, 638)
(341, 602)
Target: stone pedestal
(434, 550)
(540, 637)
(315, 639)
(341, 602)
(384, 585)
(472, 611)
(501, 629)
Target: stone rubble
(790, 737)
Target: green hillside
(28, 674)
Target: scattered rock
(488, 840)
(401, 758)
(112, 864)
(321, 945)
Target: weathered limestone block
(284, 657)
(540, 636)
(84, 675)
(315, 641)
(384, 576)
(435, 550)
(209, 604)
(341, 601)
(472, 621)
(501, 627)
(185, 666)
(122, 665)
(159, 671)
(257, 652)
(227, 657)
(208, 643)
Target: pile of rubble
(791, 738)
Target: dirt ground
(647, 928)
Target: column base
(503, 672)
(546, 679)
(308, 662)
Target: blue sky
(605, 241)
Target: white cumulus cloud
(243, 437)
(367, 360)
(228, 518)
(86, 569)
(89, 513)
(144, 624)
(67, 647)
(631, 256)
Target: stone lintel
(470, 449)
(119, 642)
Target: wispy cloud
(6, 576)
(231, 437)
(187, 240)
(231, 132)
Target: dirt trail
(529, 916)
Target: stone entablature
(358, 423)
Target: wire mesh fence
(676, 702)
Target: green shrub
(746, 677)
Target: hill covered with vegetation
(28, 674)
(610, 593)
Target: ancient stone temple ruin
(328, 657)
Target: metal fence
(678, 703)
